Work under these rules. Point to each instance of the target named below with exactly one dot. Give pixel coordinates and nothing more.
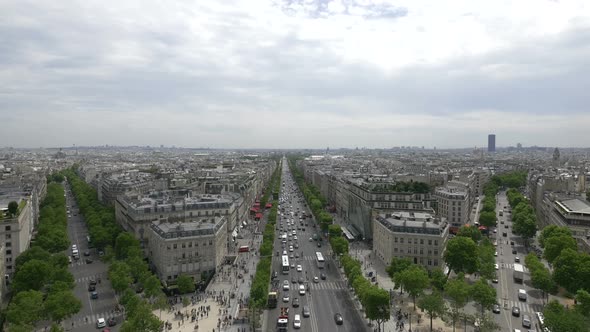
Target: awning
(254, 209)
(259, 215)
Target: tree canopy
(459, 255)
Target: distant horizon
(482, 148)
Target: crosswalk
(328, 285)
(91, 319)
(524, 307)
(510, 266)
(87, 279)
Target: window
(401, 240)
(7, 228)
(421, 241)
(429, 242)
(210, 242)
(8, 236)
(436, 242)
(436, 252)
(174, 246)
(429, 261)
(395, 239)
(415, 241)
(9, 252)
(8, 244)
(190, 244)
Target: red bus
(244, 249)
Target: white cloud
(338, 73)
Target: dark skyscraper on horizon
(491, 143)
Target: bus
(320, 259)
(244, 249)
(285, 264)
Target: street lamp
(410, 330)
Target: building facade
(418, 236)
(453, 205)
(16, 233)
(194, 248)
(491, 143)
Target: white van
(522, 294)
(297, 322)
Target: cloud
(294, 73)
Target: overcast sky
(294, 73)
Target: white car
(496, 266)
(291, 248)
(496, 254)
(100, 323)
(299, 268)
(297, 322)
(286, 285)
(301, 290)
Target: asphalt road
(325, 298)
(83, 272)
(507, 288)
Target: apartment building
(568, 211)
(136, 213)
(415, 235)
(192, 248)
(15, 231)
(453, 204)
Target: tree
(566, 270)
(458, 292)
(459, 255)
(414, 280)
(152, 287)
(186, 284)
(438, 279)
(31, 276)
(376, 303)
(339, 245)
(483, 294)
(124, 243)
(335, 230)
(433, 304)
(37, 253)
(25, 308)
(552, 230)
(142, 320)
(12, 208)
(583, 303)
(541, 279)
(558, 318)
(61, 305)
(486, 260)
(394, 269)
(470, 232)
(556, 244)
(488, 218)
(526, 228)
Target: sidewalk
(218, 308)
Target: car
(310, 239)
(295, 302)
(293, 280)
(517, 259)
(291, 256)
(338, 319)
(306, 311)
(495, 230)
(275, 274)
(496, 308)
(285, 253)
(514, 251)
(94, 295)
(496, 254)
(316, 279)
(526, 321)
(92, 282)
(522, 294)
(91, 288)
(296, 255)
(286, 285)
(299, 268)
(516, 311)
(88, 261)
(100, 323)
(286, 297)
(319, 244)
(495, 280)
(296, 245)
(497, 266)
(292, 265)
(291, 248)
(323, 276)
(301, 280)
(297, 322)
(87, 253)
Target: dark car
(301, 281)
(296, 302)
(294, 280)
(496, 309)
(338, 319)
(94, 295)
(92, 282)
(91, 288)
(323, 276)
(112, 321)
(514, 251)
(275, 274)
(516, 311)
(87, 253)
(319, 244)
(306, 311)
(88, 261)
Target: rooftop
(188, 229)
(575, 205)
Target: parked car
(338, 319)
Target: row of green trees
(42, 284)
(312, 194)
(261, 281)
(524, 220)
(128, 271)
(375, 300)
(470, 253)
(515, 179)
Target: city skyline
(294, 74)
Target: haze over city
(294, 74)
